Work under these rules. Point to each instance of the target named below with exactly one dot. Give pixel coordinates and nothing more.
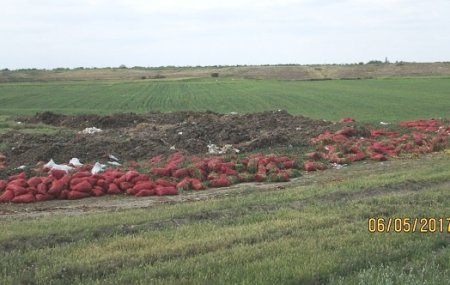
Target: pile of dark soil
(132, 136)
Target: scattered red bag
(72, 195)
(130, 175)
(64, 194)
(310, 166)
(144, 185)
(25, 198)
(43, 197)
(220, 182)
(82, 174)
(57, 173)
(165, 183)
(16, 189)
(83, 186)
(113, 189)
(197, 184)
(125, 185)
(181, 173)
(21, 175)
(168, 190)
(56, 188)
(3, 184)
(98, 191)
(146, 192)
(160, 171)
(378, 157)
(42, 188)
(7, 196)
(184, 184)
(34, 181)
(19, 182)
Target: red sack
(43, 197)
(72, 195)
(140, 177)
(197, 184)
(160, 171)
(310, 166)
(21, 175)
(66, 179)
(82, 174)
(378, 157)
(83, 186)
(169, 190)
(102, 184)
(25, 198)
(7, 196)
(98, 191)
(288, 164)
(91, 180)
(165, 183)
(260, 177)
(113, 189)
(125, 185)
(144, 185)
(131, 191)
(181, 173)
(63, 194)
(42, 189)
(3, 184)
(145, 192)
(184, 184)
(130, 175)
(220, 182)
(57, 173)
(75, 181)
(19, 182)
(16, 189)
(33, 181)
(57, 187)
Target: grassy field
(366, 100)
(308, 233)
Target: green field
(366, 100)
(313, 232)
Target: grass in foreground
(304, 234)
(367, 100)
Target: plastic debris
(90, 131)
(384, 123)
(228, 148)
(97, 168)
(110, 156)
(114, 163)
(75, 162)
(52, 165)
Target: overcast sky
(73, 33)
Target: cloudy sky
(72, 33)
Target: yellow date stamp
(409, 225)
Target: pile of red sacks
(158, 176)
(345, 146)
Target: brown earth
(137, 137)
(278, 72)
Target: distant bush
(375, 62)
(215, 74)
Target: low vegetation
(365, 100)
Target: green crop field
(313, 232)
(366, 100)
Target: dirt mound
(132, 136)
(120, 120)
